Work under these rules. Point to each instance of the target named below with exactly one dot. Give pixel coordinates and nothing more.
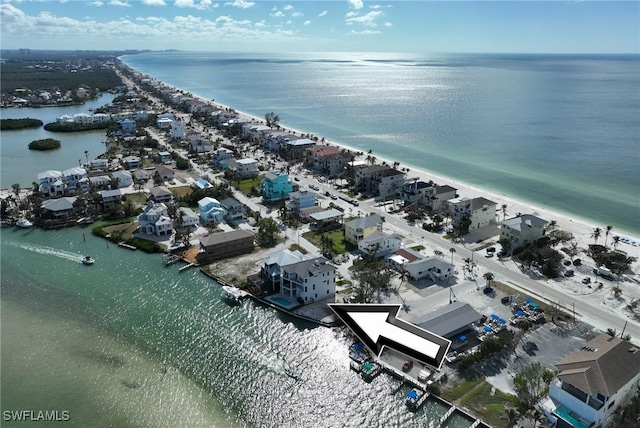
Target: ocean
(560, 132)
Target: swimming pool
(570, 417)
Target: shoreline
(570, 222)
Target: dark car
(505, 300)
(586, 280)
(296, 178)
(569, 273)
(567, 262)
(487, 290)
(577, 262)
(408, 365)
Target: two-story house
(161, 194)
(330, 160)
(51, 183)
(155, 220)
(211, 210)
(593, 383)
(381, 181)
(234, 210)
(247, 167)
(276, 186)
(522, 230)
(358, 229)
(308, 281)
(299, 200)
(75, 180)
(379, 244)
(132, 162)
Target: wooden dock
(185, 267)
(127, 246)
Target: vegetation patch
(249, 186)
(44, 144)
(75, 127)
(11, 124)
(332, 242)
(182, 191)
(417, 248)
(296, 247)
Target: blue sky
(338, 25)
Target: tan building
(225, 244)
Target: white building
(522, 230)
(309, 280)
(177, 130)
(155, 220)
(433, 268)
(358, 229)
(50, 183)
(211, 210)
(124, 178)
(481, 212)
(188, 217)
(247, 167)
(72, 177)
(301, 199)
(593, 383)
(381, 181)
(379, 244)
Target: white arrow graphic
(377, 326)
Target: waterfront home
(308, 281)
(379, 244)
(124, 178)
(417, 193)
(522, 230)
(273, 140)
(477, 212)
(330, 161)
(100, 182)
(132, 162)
(449, 320)
(225, 244)
(433, 268)
(271, 269)
(358, 229)
(110, 197)
(299, 200)
(59, 208)
(593, 383)
(246, 168)
(234, 210)
(443, 194)
(187, 217)
(276, 186)
(50, 183)
(201, 183)
(380, 181)
(142, 175)
(164, 158)
(165, 172)
(100, 118)
(210, 211)
(72, 180)
(295, 148)
(99, 164)
(161, 194)
(252, 132)
(154, 220)
(128, 126)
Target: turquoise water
(567, 415)
(130, 342)
(558, 131)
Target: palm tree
(488, 277)
(510, 415)
(616, 242)
(607, 230)
(16, 189)
(438, 253)
(451, 250)
(504, 211)
(86, 155)
(597, 232)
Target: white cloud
(352, 13)
(202, 5)
(154, 2)
(96, 3)
(364, 32)
(356, 4)
(388, 24)
(297, 14)
(261, 24)
(242, 4)
(307, 22)
(278, 14)
(323, 13)
(289, 22)
(119, 3)
(367, 19)
(288, 7)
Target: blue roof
(487, 328)
(494, 317)
(520, 313)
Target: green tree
(511, 416)
(267, 230)
(488, 277)
(607, 231)
(16, 189)
(272, 119)
(596, 234)
(530, 386)
(372, 281)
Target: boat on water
(232, 293)
(24, 223)
(88, 260)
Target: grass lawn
(476, 396)
(125, 230)
(246, 184)
(137, 198)
(340, 246)
(181, 191)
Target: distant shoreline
(581, 227)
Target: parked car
(334, 197)
(577, 262)
(586, 280)
(569, 273)
(296, 178)
(314, 187)
(488, 255)
(567, 262)
(487, 290)
(407, 366)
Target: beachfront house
(276, 186)
(211, 211)
(270, 276)
(330, 161)
(155, 220)
(593, 383)
(433, 268)
(308, 281)
(301, 199)
(161, 194)
(380, 181)
(219, 155)
(471, 214)
(50, 183)
(199, 146)
(442, 195)
(522, 230)
(418, 193)
(252, 132)
(99, 164)
(379, 244)
(294, 149)
(225, 244)
(177, 130)
(358, 229)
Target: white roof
(75, 171)
(49, 174)
(246, 161)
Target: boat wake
(50, 251)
